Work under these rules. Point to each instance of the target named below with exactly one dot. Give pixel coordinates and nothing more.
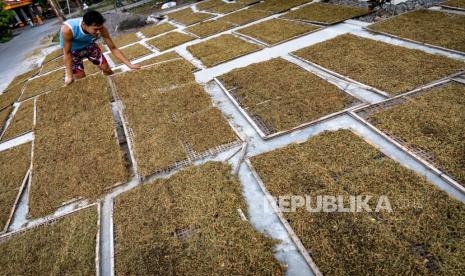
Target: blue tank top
(80, 39)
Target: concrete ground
(22, 52)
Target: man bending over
(77, 38)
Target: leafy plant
(6, 17)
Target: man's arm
(115, 51)
(67, 36)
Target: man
(77, 38)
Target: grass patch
(277, 6)
(53, 55)
(209, 28)
(170, 40)
(219, 49)
(76, 153)
(455, 3)
(160, 58)
(73, 101)
(422, 234)
(282, 94)
(205, 5)
(43, 84)
(156, 142)
(14, 164)
(167, 57)
(325, 13)
(22, 121)
(274, 31)
(90, 68)
(391, 68)
(432, 27)
(169, 74)
(166, 109)
(23, 77)
(158, 149)
(245, 16)
(132, 52)
(52, 65)
(188, 17)
(64, 247)
(226, 8)
(10, 96)
(146, 9)
(205, 130)
(204, 199)
(157, 29)
(431, 121)
(125, 39)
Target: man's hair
(93, 18)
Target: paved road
(14, 54)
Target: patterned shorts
(91, 52)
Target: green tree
(5, 19)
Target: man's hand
(67, 35)
(68, 80)
(116, 52)
(133, 66)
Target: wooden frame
(191, 155)
(24, 183)
(347, 79)
(265, 136)
(281, 42)
(11, 116)
(7, 236)
(97, 241)
(452, 8)
(414, 41)
(142, 43)
(127, 131)
(236, 57)
(318, 22)
(295, 239)
(43, 92)
(357, 114)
